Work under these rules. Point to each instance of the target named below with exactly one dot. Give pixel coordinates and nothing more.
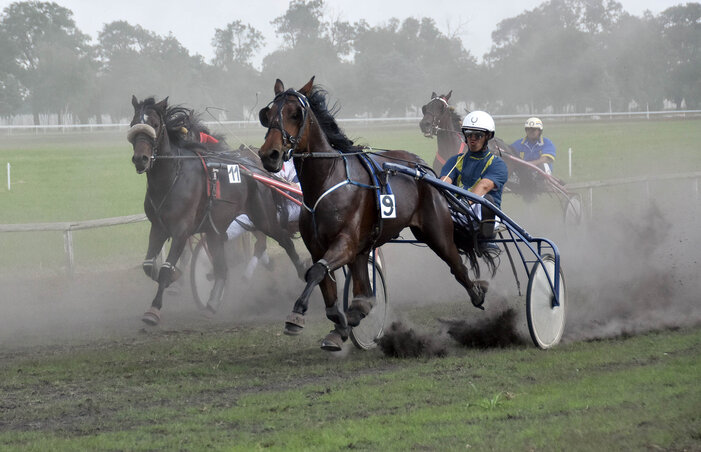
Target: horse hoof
(333, 342)
(151, 317)
(209, 312)
(294, 323)
(478, 293)
(357, 311)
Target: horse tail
(466, 242)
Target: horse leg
(165, 277)
(283, 237)
(156, 238)
(215, 243)
(440, 240)
(339, 254)
(362, 302)
(333, 342)
(259, 255)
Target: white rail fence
(78, 128)
(68, 227)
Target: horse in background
(195, 187)
(341, 223)
(441, 121)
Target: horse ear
(162, 105)
(279, 86)
(134, 101)
(447, 96)
(306, 89)
(433, 94)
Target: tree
(137, 61)
(302, 20)
(680, 27)
(236, 43)
(50, 58)
(400, 63)
(549, 56)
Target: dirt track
(624, 275)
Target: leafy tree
(302, 20)
(49, 57)
(402, 62)
(236, 43)
(549, 56)
(137, 61)
(680, 27)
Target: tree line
(562, 56)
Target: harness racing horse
(441, 121)
(340, 222)
(193, 187)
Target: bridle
(287, 140)
(436, 118)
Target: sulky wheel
(371, 328)
(572, 210)
(545, 322)
(201, 274)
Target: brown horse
(196, 187)
(341, 221)
(441, 121)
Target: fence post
(569, 152)
(9, 185)
(68, 246)
(591, 202)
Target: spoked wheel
(201, 274)
(545, 322)
(573, 210)
(371, 328)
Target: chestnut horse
(441, 121)
(196, 187)
(341, 222)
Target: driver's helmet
(480, 121)
(534, 123)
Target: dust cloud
(631, 268)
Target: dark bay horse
(340, 222)
(196, 187)
(441, 121)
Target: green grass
(248, 389)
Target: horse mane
(325, 116)
(455, 118)
(183, 126)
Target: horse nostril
(274, 155)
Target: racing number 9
(388, 208)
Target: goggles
(474, 134)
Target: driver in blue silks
(479, 171)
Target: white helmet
(534, 123)
(479, 120)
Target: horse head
(147, 131)
(285, 117)
(433, 111)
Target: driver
(534, 147)
(479, 171)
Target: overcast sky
(193, 22)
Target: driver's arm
(483, 187)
